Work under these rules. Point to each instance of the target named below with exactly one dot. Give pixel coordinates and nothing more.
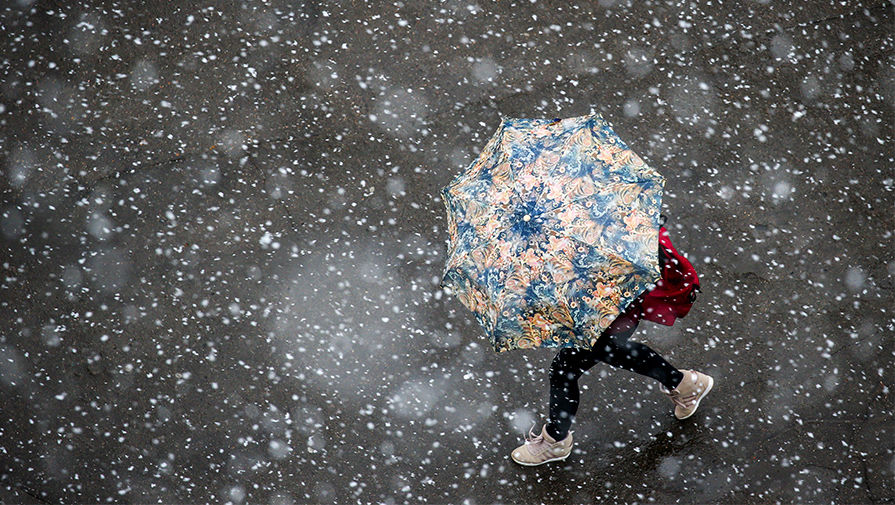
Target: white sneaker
(687, 395)
(540, 449)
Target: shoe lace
(538, 439)
(532, 438)
(676, 398)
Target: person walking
(671, 298)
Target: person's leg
(685, 388)
(639, 358)
(568, 365)
(617, 350)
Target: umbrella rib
(512, 183)
(569, 134)
(487, 240)
(513, 172)
(502, 295)
(608, 253)
(544, 260)
(564, 205)
(509, 156)
(542, 263)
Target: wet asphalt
(222, 241)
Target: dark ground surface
(221, 247)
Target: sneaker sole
(698, 400)
(542, 462)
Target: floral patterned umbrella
(553, 231)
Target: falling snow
(223, 244)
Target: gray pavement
(221, 246)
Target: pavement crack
(31, 494)
(864, 470)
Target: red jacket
(675, 292)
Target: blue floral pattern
(553, 230)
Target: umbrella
(553, 230)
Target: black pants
(613, 348)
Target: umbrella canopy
(553, 231)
